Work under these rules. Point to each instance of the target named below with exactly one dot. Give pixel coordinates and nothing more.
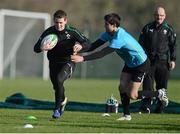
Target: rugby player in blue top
(136, 62)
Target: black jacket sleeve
(96, 44)
(99, 54)
(172, 45)
(142, 37)
(37, 46)
(82, 39)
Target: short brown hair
(60, 14)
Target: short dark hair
(112, 19)
(60, 14)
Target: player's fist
(172, 65)
(77, 58)
(76, 48)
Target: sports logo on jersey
(165, 31)
(151, 30)
(68, 36)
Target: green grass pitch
(90, 90)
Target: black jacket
(66, 40)
(159, 41)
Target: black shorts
(138, 72)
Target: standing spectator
(159, 42)
(60, 64)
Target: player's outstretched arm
(96, 55)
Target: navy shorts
(138, 72)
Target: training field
(91, 91)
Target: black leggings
(59, 72)
(158, 75)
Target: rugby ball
(51, 40)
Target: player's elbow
(36, 50)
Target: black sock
(147, 94)
(125, 100)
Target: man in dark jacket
(159, 42)
(60, 65)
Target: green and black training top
(159, 41)
(66, 40)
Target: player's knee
(60, 79)
(133, 96)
